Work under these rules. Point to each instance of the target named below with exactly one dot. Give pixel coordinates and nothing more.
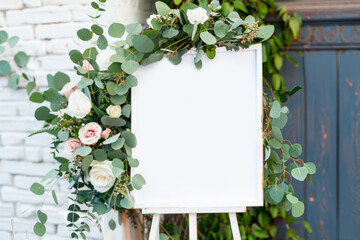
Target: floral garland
(92, 119)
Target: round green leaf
(121, 89)
(97, 29)
(277, 194)
(60, 79)
(221, 28)
(112, 139)
(265, 32)
(82, 151)
(100, 155)
(143, 43)
(311, 167)
(281, 121)
(275, 110)
(87, 162)
(130, 138)
(208, 38)
(138, 181)
(112, 224)
(37, 189)
(113, 122)
(3, 36)
(43, 113)
(126, 110)
(170, 33)
(84, 34)
(162, 8)
(291, 198)
(299, 173)
(14, 81)
(298, 209)
(130, 67)
(102, 43)
(36, 97)
(133, 162)
(134, 28)
(42, 217)
(295, 150)
(127, 202)
(39, 229)
(5, 68)
(116, 30)
(13, 41)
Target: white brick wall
(47, 29)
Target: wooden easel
(154, 230)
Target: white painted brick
(12, 138)
(7, 110)
(38, 16)
(10, 194)
(11, 152)
(26, 168)
(56, 62)
(5, 235)
(32, 48)
(6, 209)
(10, 4)
(56, 215)
(7, 94)
(20, 124)
(25, 182)
(32, 3)
(41, 140)
(2, 20)
(62, 46)
(27, 108)
(47, 155)
(23, 32)
(5, 178)
(61, 30)
(32, 236)
(21, 225)
(33, 154)
(61, 2)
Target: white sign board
(200, 132)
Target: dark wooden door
(325, 119)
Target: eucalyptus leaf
(138, 181)
(21, 59)
(208, 38)
(130, 67)
(116, 30)
(82, 151)
(5, 68)
(300, 173)
(37, 189)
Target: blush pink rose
(68, 89)
(90, 133)
(71, 144)
(105, 134)
(86, 65)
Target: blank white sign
(200, 132)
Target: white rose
(79, 105)
(114, 111)
(103, 58)
(101, 176)
(90, 133)
(197, 15)
(148, 21)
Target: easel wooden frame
(155, 230)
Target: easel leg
(154, 230)
(192, 226)
(234, 226)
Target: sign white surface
(200, 132)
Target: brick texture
(47, 31)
